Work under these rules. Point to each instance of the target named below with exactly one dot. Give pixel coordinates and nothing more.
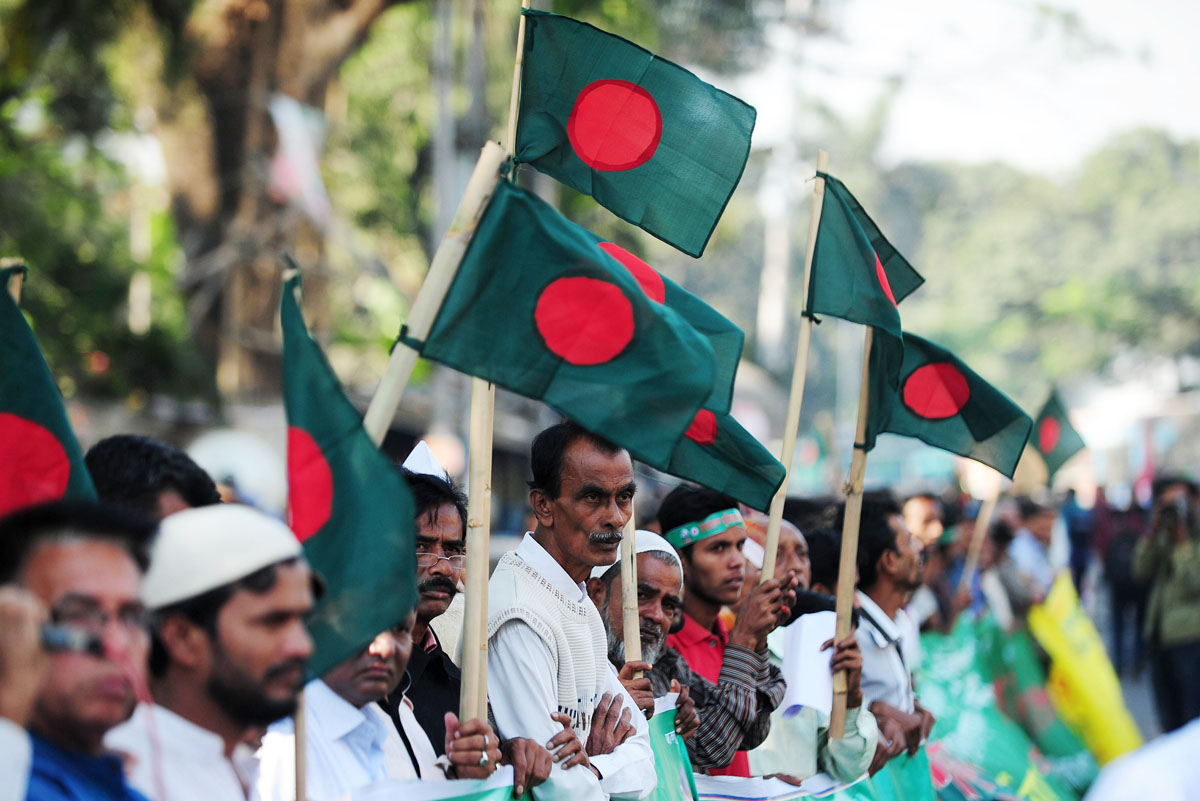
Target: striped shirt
(734, 701)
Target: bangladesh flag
(1053, 435)
(348, 505)
(725, 337)
(539, 307)
(943, 403)
(647, 139)
(716, 452)
(856, 273)
(41, 459)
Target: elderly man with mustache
(546, 644)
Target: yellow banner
(1082, 684)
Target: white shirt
(1030, 557)
(348, 748)
(188, 760)
(522, 688)
(1165, 769)
(16, 756)
(885, 675)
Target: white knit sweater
(572, 630)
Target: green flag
(41, 459)
(857, 275)
(348, 505)
(725, 337)
(647, 139)
(540, 308)
(716, 452)
(943, 403)
(1054, 437)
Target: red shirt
(704, 651)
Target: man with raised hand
(229, 592)
(546, 648)
(707, 530)
(660, 597)
(83, 562)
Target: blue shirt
(61, 775)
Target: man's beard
(653, 640)
(243, 699)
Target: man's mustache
(604, 537)
(438, 584)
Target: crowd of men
(153, 645)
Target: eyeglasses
(89, 618)
(429, 559)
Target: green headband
(710, 526)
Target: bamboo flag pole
(437, 282)
(850, 523)
(299, 717)
(791, 423)
(630, 619)
(982, 522)
(473, 701)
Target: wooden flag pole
(299, 718)
(473, 701)
(433, 291)
(631, 622)
(514, 101)
(791, 423)
(479, 519)
(850, 523)
(982, 522)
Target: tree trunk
(218, 141)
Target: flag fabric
(647, 139)
(716, 452)
(725, 337)
(671, 762)
(856, 273)
(540, 308)
(943, 403)
(1053, 435)
(42, 461)
(348, 505)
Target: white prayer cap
(423, 462)
(200, 549)
(646, 541)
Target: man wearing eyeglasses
(432, 683)
(84, 562)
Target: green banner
(671, 763)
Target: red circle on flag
(936, 391)
(35, 468)
(646, 276)
(703, 429)
(881, 274)
(310, 484)
(585, 321)
(1048, 433)
(614, 125)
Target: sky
(995, 79)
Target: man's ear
(543, 507)
(597, 591)
(886, 566)
(186, 643)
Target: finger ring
(483, 758)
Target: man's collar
(537, 557)
(882, 628)
(337, 716)
(693, 633)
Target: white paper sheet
(806, 666)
